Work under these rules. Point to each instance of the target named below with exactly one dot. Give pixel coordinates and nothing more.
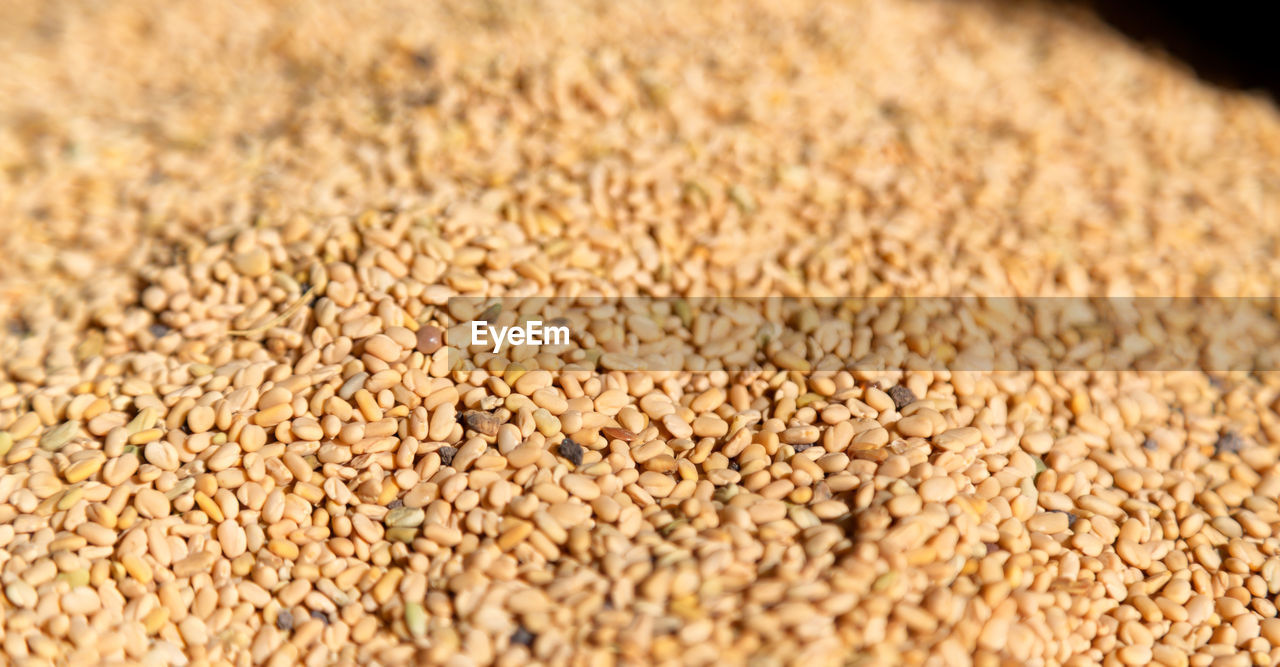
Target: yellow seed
(368, 407)
(514, 535)
(273, 415)
(242, 565)
(512, 372)
(155, 619)
(283, 548)
(387, 585)
(210, 508)
(82, 470)
(68, 543)
(96, 408)
(137, 568)
(71, 497)
(144, 437)
(314, 494)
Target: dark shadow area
(1230, 43)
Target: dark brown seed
(615, 433)
(902, 397)
(284, 620)
(485, 423)
(1229, 442)
(446, 455)
(571, 451)
(522, 636)
(429, 339)
(425, 58)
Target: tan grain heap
(230, 434)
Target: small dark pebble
(522, 636)
(306, 287)
(991, 546)
(484, 423)
(902, 397)
(734, 465)
(571, 451)
(1071, 517)
(803, 446)
(395, 504)
(428, 98)
(425, 58)
(317, 614)
(1229, 442)
(1150, 445)
(284, 620)
(446, 455)
(159, 330)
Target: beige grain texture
(232, 431)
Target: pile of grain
(227, 435)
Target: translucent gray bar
(871, 333)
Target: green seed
(884, 581)
(146, 419)
(415, 618)
(490, 314)
(405, 534)
(402, 517)
(75, 578)
(181, 488)
(60, 435)
(684, 312)
(807, 399)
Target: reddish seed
(429, 339)
(614, 433)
